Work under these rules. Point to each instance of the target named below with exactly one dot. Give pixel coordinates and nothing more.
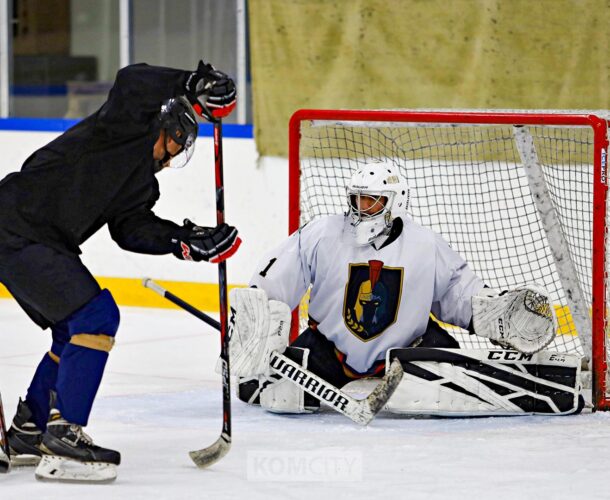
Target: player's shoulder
(414, 232)
(327, 229)
(327, 225)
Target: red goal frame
(600, 395)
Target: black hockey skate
(69, 455)
(24, 438)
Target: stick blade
(207, 456)
(384, 390)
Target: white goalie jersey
(367, 300)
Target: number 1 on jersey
(263, 273)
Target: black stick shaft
(148, 283)
(195, 312)
(222, 284)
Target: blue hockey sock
(92, 329)
(45, 378)
(79, 377)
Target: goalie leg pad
(257, 327)
(486, 382)
(279, 395)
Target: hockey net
(468, 173)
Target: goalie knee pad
(283, 396)
(248, 390)
(279, 395)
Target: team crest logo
(372, 297)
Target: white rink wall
(256, 202)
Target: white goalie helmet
(377, 194)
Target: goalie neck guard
(177, 118)
(377, 194)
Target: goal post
(521, 195)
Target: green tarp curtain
(355, 54)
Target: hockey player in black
(100, 172)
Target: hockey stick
(5, 460)
(207, 456)
(361, 411)
(148, 283)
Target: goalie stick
(5, 461)
(361, 411)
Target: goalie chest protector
(367, 300)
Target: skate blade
(24, 460)
(65, 470)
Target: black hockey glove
(212, 244)
(211, 92)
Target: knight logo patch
(372, 298)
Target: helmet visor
(185, 153)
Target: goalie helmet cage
(520, 195)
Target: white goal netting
(469, 184)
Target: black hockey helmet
(177, 118)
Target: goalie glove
(213, 244)
(523, 318)
(257, 327)
(211, 92)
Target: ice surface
(160, 398)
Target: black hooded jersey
(100, 171)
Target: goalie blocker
(486, 382)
